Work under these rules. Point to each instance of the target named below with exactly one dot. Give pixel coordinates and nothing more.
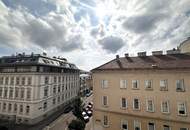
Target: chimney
(126, 55)
(117, 56)
(156, 53)
(141, 54)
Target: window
(16, 92)
(22, 93)
(21, 108)
(59, 88)
(4, 106)
(151, 126)
(104, 83)
(1, 80)
(165, 107)
(23, 80)
(150, 106)
(105, 100)
(123, 83)
(105, 120)
(180, 85)
(15, 107)
(6, 80)
(11, 93)
(46, 80)
(45, 91)
(148, 84)
(59, 79)
(12, 80)
(45, 105)
(29, 80)
(184, 129)
(135, 84)
(9, 107)
(55, 79)
(163, 85)
(124, 125)
(28, 93)
(123, 103)
(1, 91)
(166, 127)
(136, 104)
(137, 125)
(17, 80)
(58, 99)
(181, 108)
(5, 92)
(54, 89)
(54, 101)
(27, 109)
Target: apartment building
(32, 87)
(143, 92)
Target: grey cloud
(111, 43)
(98, 31)
(143, 23)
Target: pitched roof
(173, 61)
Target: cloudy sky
(91, 32)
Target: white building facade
(32, 87)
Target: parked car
(89, 106)
(89, 112)
(85, 116)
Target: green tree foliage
(78, 108)
(77, 125)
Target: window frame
(147, 105)
(184, 108)
(137, 82)
(105, 105)
(124, 121)
(147, 83)
(139, 104)
(123, 84)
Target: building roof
(35, 59)
(172, 61)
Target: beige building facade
(185, 46)
(142, 93)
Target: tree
(77, 125)
(78, 108)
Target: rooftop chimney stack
(126, 55)
(117, 56)
(141, 54)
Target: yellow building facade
(143, 93)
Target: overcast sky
(91, 32)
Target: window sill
(123, 108)
(105, 126)
(135, 88)
(150, 111)
(105, 106)
(166, 113)
(136, 109)
(182, 115)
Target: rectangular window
(123, 103)
(5, 92)
(123, 83)
(45, 91)
(29, 80)
(104, 100)
(45, 105)
(16, 92)
(165, 106)
(1, 80)
(55, 79)
(150, 106)
(180, 85)
(151, 126)
(28, 94)
(137, 125)
(148, 84)
(46, 80)
(6, 80)
(23, 80)
(166, 127)
(9, 107)
(135, 84)
(124, 125)
(11, 93)
(136, 104)
(22, 93)
(184, 129)
(12, 80)
(59, 79)
(104, 83)
(1, 91)
(17, 80)
(54, 89)
(27, 110)
(54, 101)
(21, 109)
(105, 120)
(163, 85)
(15, 107)
(59, 88)
(181, 108)
(4, 106)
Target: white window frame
(137, 84)
(105, 105)
(146, 83)
(138, 103)
(123, 83)
(184, 128)
(168, 126)
(147, 105)
(124, 121)
(168, 107)
(165, 86)
(122, 104)
(182, 86)
(104, 83)
(137, 121)
(184, 108)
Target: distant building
(85, 83)
(143, 92)
(184, 47)
(32, 87)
